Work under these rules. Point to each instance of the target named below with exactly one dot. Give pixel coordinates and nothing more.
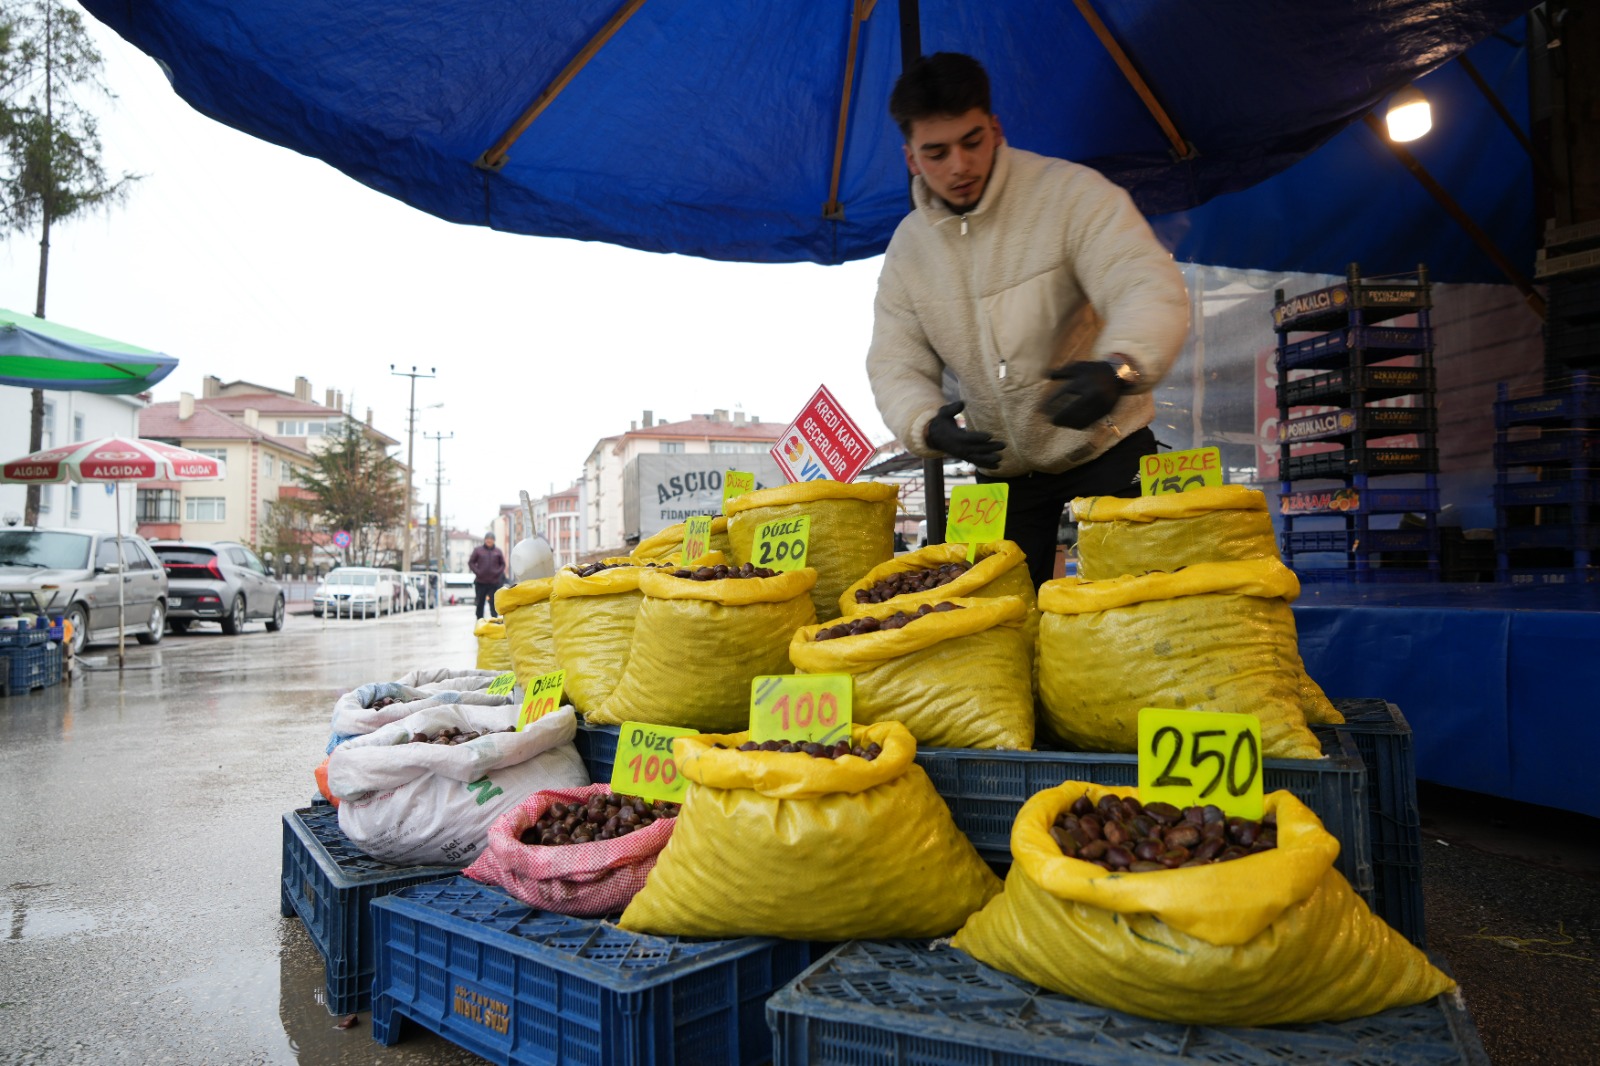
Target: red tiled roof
(265, 402)
(161, 422)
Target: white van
(349, 591)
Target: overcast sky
(247, 260)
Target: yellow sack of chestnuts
(852, 530)
(956, 679)
(697, 645)
(1211, 637)
(1220, 524)
(493, 651)
(783, 844)
(667, 545)
(591, 620)
(1274, 938)
(525, 610)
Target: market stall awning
(36, 353)
(758, 131)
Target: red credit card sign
(822, 442)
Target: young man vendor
(1029, 291)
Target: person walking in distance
(488, 568)
(1029, 291)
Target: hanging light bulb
(1409, 115)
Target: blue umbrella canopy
(714, 128)
(39, 354)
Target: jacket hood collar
(934, 210)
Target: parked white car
(358, 590)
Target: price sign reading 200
(1190, 758)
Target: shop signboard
(661, 490)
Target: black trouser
(486, 591)
(1035, 502)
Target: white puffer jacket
(1054, 265)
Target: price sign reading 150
(1192, 758)
(1170, 472)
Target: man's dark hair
(945, 83)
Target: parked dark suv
(218, 581)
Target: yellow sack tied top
(955, 679)
(782, 844)
(493, 651)
(667, 545)
(1220, 524)
(1211, 637)
(525, 610)
(1274, 938)
(698, 644)
(852, 530)
(591, 621)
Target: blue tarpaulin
(709, 128)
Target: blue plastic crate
(1551, 446)
(985, 789)
(1579, 537)
(26, 667)
(1557, 493)
(888, 1003)
(1372, 575)
(1551, 408)
(1383, 737)
(1348, 499)
(1577, 575)
(1347, 383)
(24, 638)
(1372, 422)
(517, 985)
(597, 744)
(329, 883)
(1347, 462)
(1373, 540)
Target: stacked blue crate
(1569, 264)
(1547, 497)
(29, 659)
(1333, 389)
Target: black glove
(1088, 393)
(970, 446)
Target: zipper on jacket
(963, 225)
(1002, 369)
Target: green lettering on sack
(486, 790)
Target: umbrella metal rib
(1181, 148)
(496, 156)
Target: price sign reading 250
(1190, 758)
(798, 707)
(977, 515)
(645, 765)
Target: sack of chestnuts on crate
(582, 852)
(1169, 531)
(592, 609)
(957, 673)
(1212, 636)
(493, 651)
(703, 633)
(370, 707)
(852, 529)
(1261, 931)
(525, 610)
(848, 841)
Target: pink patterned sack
(580, 880)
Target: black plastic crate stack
(1372, 505)
(1546, 496)
(1569, 263)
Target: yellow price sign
(1170, 472)
(800, 707)
(541, 696)
(645, 765)
(782, 544)
(696, 537)
(1192, 758)
(736, 483)
(502, 685)
(977, 516)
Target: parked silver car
(219, 581)
(79, 571)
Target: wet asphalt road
(140, 853)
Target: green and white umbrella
(39, 354)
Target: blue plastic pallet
(1383, 736)
(897, 1003)
(25, 667)
(985, 789)
(597, 745)
(329, 883)
(521, 986)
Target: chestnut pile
(594, 568)
(911, 581)
(451, 735)
(605, 816)
(1120, 834)
(721, 572)
(384, 701)
(898, 620)
(815, 750)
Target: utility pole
(438, 488)
(411, 428)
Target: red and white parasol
(113, 459)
